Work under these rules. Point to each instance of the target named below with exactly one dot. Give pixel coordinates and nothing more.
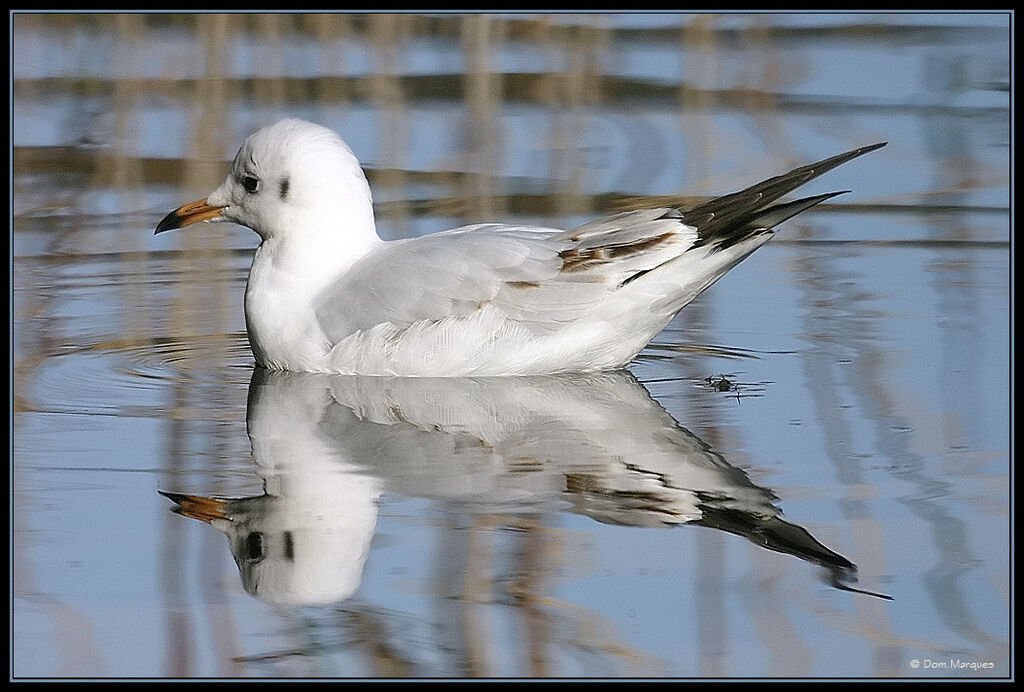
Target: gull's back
(494, 299)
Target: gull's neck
(315, 252)
(289, 271)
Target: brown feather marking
(574, 259)
(638, 246)
(581, 260)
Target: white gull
(326, 294)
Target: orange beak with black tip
(197, 507)
(188, 215)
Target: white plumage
(327, 447)
(326, 294)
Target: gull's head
(290, 177)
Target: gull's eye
(250, 184)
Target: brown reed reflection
(85, 198)
(494, 453)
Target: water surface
(805, 475)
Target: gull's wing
(538, 277)
(543, 278)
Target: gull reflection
(328, 446)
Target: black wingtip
(853, 153)
(719, 219)
(869, 148)
(813, 170)
(774, 215)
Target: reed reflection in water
(327, 446)
(873, 343)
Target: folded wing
(541, 278)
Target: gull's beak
(188, 215)
(196, 507)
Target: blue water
(842, 395)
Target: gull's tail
(664, 258)
(727, 220)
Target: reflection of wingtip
(776, 534)
(837, 581)
(197, 507)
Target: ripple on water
(140, 378)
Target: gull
(326, 294)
